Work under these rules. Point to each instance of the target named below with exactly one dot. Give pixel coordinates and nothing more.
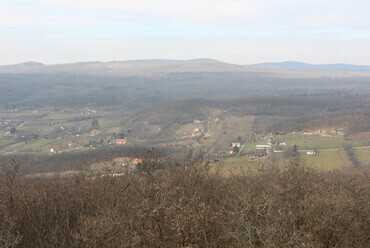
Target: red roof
(137, 161)
(121, 141)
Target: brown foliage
(188, 206)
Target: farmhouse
(7, 134)
(72, 144)
(134, 163)
(94, 132)
(137, 161)
(237, 144)
(231, 150)
(340, 131)
(311, 153)
(121, 141)
(262, 147)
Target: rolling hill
(158, 67)
(293, 65)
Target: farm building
(262, 147)
(121, 141)
(137, 161)
(94, 132)
(237, 144)
(231, 150)
(72, 144)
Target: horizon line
(189, 59)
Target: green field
(310, 142)
(363, 154)
(326, 160)
(323, 161)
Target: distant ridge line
(294, 65)
(165, 66)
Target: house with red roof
(121, 141)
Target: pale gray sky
(235, 31)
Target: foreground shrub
(188, 206)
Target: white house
(237, 144)
(262, 147)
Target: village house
(281, 144)
(234, 150)
(121, 141)
(137, 161)
(311, 153)
(237, 144)
(72, 144)
(134, 163)
(262, 147)
(231, 150)
(198, 122)
(7, 134)
(94, 132)
(340, 131)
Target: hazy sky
(236, 31)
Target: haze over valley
(178, 105)
(198, 123)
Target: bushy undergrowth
(188, 206)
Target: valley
(218, 111)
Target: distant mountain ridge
(30, 64)
(155, 67)
(148, 67)
(294, 65)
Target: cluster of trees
(187, 206)
(292, 155)
(352, 155)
